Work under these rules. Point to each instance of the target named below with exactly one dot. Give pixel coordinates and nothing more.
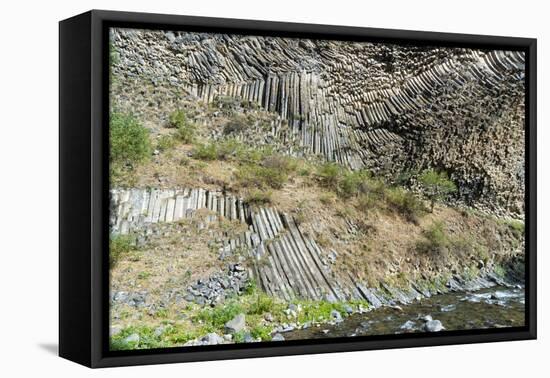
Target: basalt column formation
(388, 108)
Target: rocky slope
(389, 108)
(284, 260)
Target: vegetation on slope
(398, 233)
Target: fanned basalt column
(285, 262)
(388, 108)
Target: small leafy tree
(436, 185)
(129, 141)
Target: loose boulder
(236, 324)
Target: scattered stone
(135, 299)
(133, 338)
(332, 256)
(115, 330)
(348, 309)
(277, 337)
(248, 338)
(268, 317)
(448, 308)
(217, 287)
(236, 324)
(212, 339)
(171, 37)
(200, 301)
(426, 318)
(287, 328)
(159, 331)
(408, 325)
(335, 315)
(433, 326)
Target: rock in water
(236, 324)
(433, 326)
(427, 318)
(408, 325)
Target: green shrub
(253, 155)
(261, 304)
(114, 57)
(185, 130)
(517, 227)
(262, 332)
(206, 151)
(313, 311)
(235, 125)
(436, 185)
(120, 245)
(329, 175)
(186, 133)
(326, 199)
(147, 338)
(368, 201)
(257, 176)
(499, 271)
(405, 203)
(435, 239)
(176, 119)
(251, 287)
(216, 317)
(129, 141)
(353, 183)
(219, 150)
(227, 104)
(279, 162)
(165, 143)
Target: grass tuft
(120, 246)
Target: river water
(489, 308)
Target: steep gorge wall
(387, 108)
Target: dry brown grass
(382, 243)
(170, 261)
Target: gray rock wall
(384, 107)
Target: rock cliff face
(286, 262)
(388, 108)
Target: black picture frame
(83, 195)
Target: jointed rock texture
(391, 109)
(384, 107)
(285, 262)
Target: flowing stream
(489, 308)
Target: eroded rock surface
(385, 107)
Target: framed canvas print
(233, 188)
